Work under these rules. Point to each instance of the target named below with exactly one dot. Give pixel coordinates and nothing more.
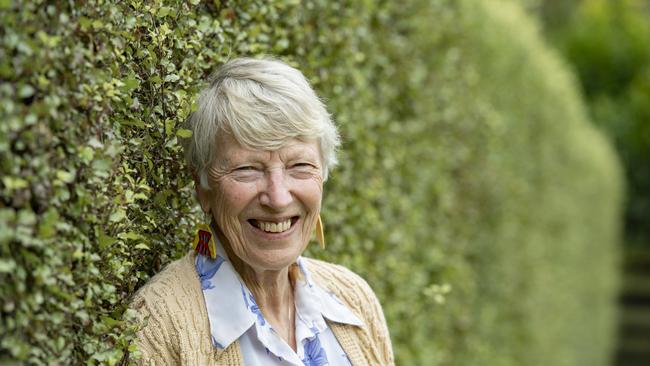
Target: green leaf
(93, 142)
(105, 241)
(183, 133)
(7, 265)
(117, 215)
(110, 321)
(130, 235)
(84, 22)
(130, 83)
(164, 11)
(65, 176)
(101, 165)
(26, 91)
(86, 153)
(47, 226)
(14, 183)
(172, 77)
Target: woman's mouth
(274, 226)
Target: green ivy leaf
(105, 241)
(117, 215)
(164, 11)
(183, 133)
(172, 78)
(7, 265)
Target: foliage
(487, 228)
(608, 44)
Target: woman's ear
(202, 194)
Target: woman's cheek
(225, 217)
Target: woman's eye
(245, 168)
(247, 173)
(302, 165)
(303, 170)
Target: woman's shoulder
(171, 314)
(372, 339)
(178, 278)
(321, 268)
(344, 283)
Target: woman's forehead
(229, 150)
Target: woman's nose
(276, 194)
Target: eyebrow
(300, 153)
(293, 153)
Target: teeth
(274, 227)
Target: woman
(262, 146)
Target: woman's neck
(272, 288)
(274, 295)
(273, 292)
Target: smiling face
(265, 202)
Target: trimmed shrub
(608, 44)
(473, 194)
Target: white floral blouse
(234, 315)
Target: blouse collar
(232, 309)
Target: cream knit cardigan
(177, 331)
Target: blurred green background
(488, 148)
(607, 44)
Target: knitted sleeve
(154, 339)
(378, 326)
(373, 338)
(175, 328)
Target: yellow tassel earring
(204, 239)
(320, 235)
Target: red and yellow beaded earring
(204, 239)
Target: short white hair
(262, 103)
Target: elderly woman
(261, 148)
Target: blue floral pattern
(305, 272)
(252, 306)
(314, 353)
(314, 329)
(206, 269)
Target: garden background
(475, 194)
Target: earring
(204, 240)
(320, 236)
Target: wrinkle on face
(217, 172)
(242, 182)
(226, 167)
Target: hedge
(608, 44)
(473, 194)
